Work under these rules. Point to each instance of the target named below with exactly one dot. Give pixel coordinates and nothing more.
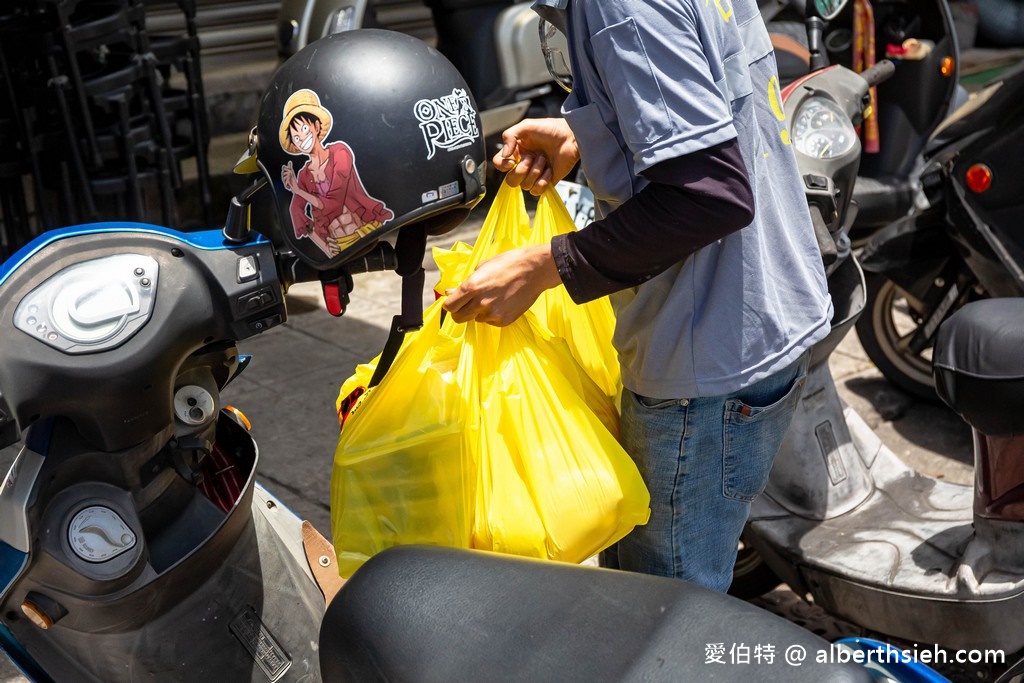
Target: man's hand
(504, 287)
(536, 153)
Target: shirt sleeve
(664, 74)
(691, 202)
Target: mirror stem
(815, 30)
(236, 225)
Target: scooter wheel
(751, 576)
(885, 329)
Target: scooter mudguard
(889, 548)
(417, 613)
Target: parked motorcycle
(842, 518)
(960, 244)
(494, 44)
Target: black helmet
(361, 133)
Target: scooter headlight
(822, 130)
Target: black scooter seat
(417, 613)
(979, 365)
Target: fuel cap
(98, 534)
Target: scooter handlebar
(880, 72)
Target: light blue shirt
(657, 79)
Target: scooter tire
(880, 339)
(751, 575)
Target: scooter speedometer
(822, 130)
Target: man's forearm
(691, 202)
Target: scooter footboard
(417, 613)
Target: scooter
(494, 44)
(842, 518)
(961, 242)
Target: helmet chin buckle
(337, 283)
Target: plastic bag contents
(484, 437)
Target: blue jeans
(704, 460)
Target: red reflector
(978, 178)
(332, 299)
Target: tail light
(978, 178)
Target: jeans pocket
(655, 403)
(753, 434)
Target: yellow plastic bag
(553, 481)
(588, 327)
(400, 474)
(483, 437)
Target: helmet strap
(410, 248)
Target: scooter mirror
(829, 9)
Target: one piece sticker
(448, 122)
(330, 206)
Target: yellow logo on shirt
(720, 4)
(775, 102)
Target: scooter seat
(978, 366)
(418, 613)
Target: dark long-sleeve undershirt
(690, 202)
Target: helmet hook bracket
(237, 224)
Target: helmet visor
(555, 49)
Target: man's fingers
(519, 172)
(464, 306)
(503, 163)
(458, 303)
(542, 183)
(509, 141)
(531, 172)
(508, 156)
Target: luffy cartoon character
(329, 206)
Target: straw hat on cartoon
(303, 101)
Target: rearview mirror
(829, 9)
